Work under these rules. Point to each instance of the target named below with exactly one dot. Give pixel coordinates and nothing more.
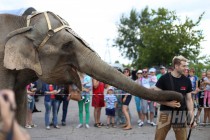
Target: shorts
(145, 104)
(200, 98)
(195, 96)
(110, 112)
(128, 100)
(138, 103)
(30, 105)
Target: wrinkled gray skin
(56, 62)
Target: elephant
(43, 46)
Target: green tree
(200, 65)
(151, 38)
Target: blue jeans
(138, 103)
(54, 104)
(30, 105)
(65, 108)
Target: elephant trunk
(89, 63)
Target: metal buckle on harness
(50, 33)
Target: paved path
(69, 132)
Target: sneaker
(141, 124)
(33, 125)
(63, 123)
(79, 125)
(139, 121)
(87, 126)
(47, 127)
(28, 126)
(153, 124)
(87, 101)
(57, 127)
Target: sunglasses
(144, 71)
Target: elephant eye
(66, 46)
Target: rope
(70, 94)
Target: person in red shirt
(98, 101)
(50, 102)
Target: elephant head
(55, 52)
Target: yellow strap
(65, 25)
(44, 41)
(30, 16)
(60, 28)
(48, 21)
(28, 20)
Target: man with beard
(173, 112)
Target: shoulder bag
(74, 94)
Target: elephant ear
(20, 54)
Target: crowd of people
(115, 101)
(180, 78)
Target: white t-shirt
(146, 82)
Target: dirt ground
(69, 132)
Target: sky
(96, 20)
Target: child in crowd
(87, 84)
(153, 77)
(111, 102)
(194, 81)
(207, 89)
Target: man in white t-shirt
(144, 103)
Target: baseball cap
(152, 70)
(139, 71)
(111, 88)
(162, 67)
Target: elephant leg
(21, 101)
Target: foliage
(200, 66)
(151, 38)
